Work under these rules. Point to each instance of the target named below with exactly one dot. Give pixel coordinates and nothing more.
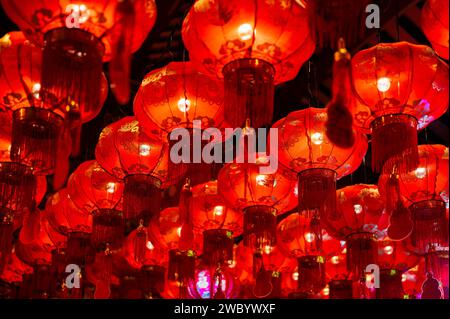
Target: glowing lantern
(260, 196)
(77, 37)
(11, 273)
(304, 147)
(436, 263)
(141, 160)
(96, 192)
(394, 260)
(359, 220)
(434, 23)
(173, 97)
(400, 88)
(252, 45)
(213, 284)
(425, 192)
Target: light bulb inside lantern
(357, 208)
(261, 180)
(144, 150)
(388, 250)
(335, 260)
(150, 245)
(317, 138)
(218, 210)
(309, 237)
(267, 249)
(383, 84)
(245, 31)
(184, 105)
(326, 291)
(179, 231)
(420, 172)
(36, 89)
(111, 187)
(295, 275)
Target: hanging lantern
(359, 220)
(425, 192)
(175, 96)
(400, 88)
(96, 192)
(340, 283)
(436, 263)
(394, 260)
(141, 160)
(434, 23)
(261, 197)
(305, 148)
(252, 45)
(77, 37)
(11, 274)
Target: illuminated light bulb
(150, 245)
(335, 260)
(309, 237)
(383, 84)
(111, 187)
(357, 208)
(389, 250)
(295, 275)
(184, 105)
(218, 210)
(36, 89)
(245, 31)
(344, 251)
(420, 172)
(267, 249)
(179, 231)
(404, 277)
(261, 180)
(317, 138)
(144, 150)
(232, 264)
(326, 291)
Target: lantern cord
(22, 81)
(397, 20)
(255, 21)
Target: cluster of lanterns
(235, 231)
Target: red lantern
(400, 88)
(305, 148)
(252, 45)
(173, 97)
(96, 192)
(436, 263)
(141, 160)
(77, 37)
(13, 270)
(425, 192)
(434, 23)
(393, 260)
(260, 196)
(359, 219)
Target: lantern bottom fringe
(394, 143)
(311, 270)
(260, 225)
(341, 289)
(390, 285)
(107, 229)
(361, 251)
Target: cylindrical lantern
(400, 88)
(304, 147)
(252, 45)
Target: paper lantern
(425, 192)
(252, 45)
(434, 23)
(359, 220)
(260, 196)
(393, 260)
(436, 263)
(175, 96)
(141, 160)
(96, 192)
(77, 37)
(304, 147)
(400, 88)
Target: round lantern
(77, 37)
(393, 260)
(172, 98)
(400, 88)
(252, 45)
(96, 192)
(141, 160)
(359, 220)
(436, 263)
(304, 147)
(434, 23)
(425, 192)
(260, 196)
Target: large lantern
(141, 160)
(252, 45)
(77, 37)
(434, 23)
(393, 260)
(425, 192)
(260, 196)
(304, 147)
(174, 97)
(96, 192)
(400, 88)
(359, 219)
